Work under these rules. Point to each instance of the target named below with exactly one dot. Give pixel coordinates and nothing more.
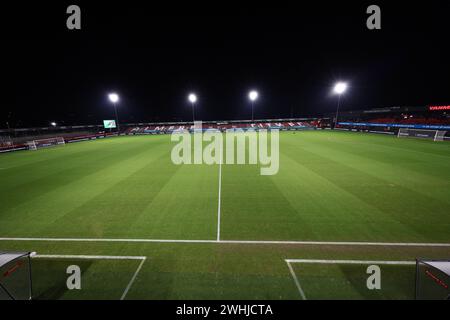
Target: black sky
(153, 55)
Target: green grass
(343, 281)
(331, 186)
(50, 278)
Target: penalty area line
(256, 242)
(297, 283)
(93, 257)
(132, 280)
(289, 263)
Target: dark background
(153, 55)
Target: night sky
(153, 55)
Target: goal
(15, 276)
(435, 135)
(433, 279)
(43, 143)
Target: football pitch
(141, 227)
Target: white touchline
(220, 191)
(268, 242)
(132, 280)
(319, 261)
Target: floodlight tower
(253, 95)
(192, 99)
(339, 89)
(114, 98)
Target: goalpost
(43, 143)
(15, 276)
(436, 135)
(433, 279)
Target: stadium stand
(222, 126)
(381, 120)
(19, 141)
(390, 120)
(412, 120)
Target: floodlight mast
(192, 99)
(339, 89)
(114, 98)
(253, 95)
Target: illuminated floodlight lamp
(113, 97)
(340, 88)
(253, 95)
(192, 98)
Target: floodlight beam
(339, 89)
(253, 95)
(192, 97)
(114, 98)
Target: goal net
(433, 280)
(15, 276)
(43, 143)
(435, 135)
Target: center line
(220, 191)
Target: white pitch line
(317, 261)
(386, 262)
(220, 192)
(297, 283)
(268, 242)
(68, 256)
(132, 280)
